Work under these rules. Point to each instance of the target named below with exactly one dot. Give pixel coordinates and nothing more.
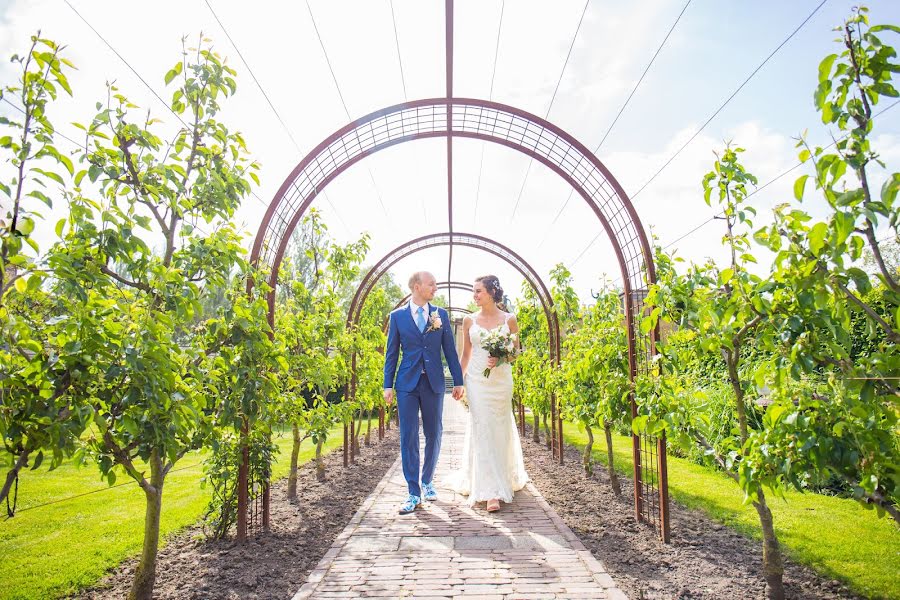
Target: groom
(421, 331)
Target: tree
(839, 329)
(312, 327)
(137, 254)
(43, 355)
(722, 309)
(595, 375)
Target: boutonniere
(434, 322)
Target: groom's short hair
(417, 278)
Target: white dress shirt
(414, 309)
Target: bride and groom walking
(492, 468)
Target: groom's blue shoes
(411, 504)
(428, 492)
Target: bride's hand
(492, 362)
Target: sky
(383, 52)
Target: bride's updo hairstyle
(492, 286)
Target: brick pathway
(447, 550)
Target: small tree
(45, 344)
(595, 372)
(137, 254)
(839, 329)
(312, 327)
(723, 309)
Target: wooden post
(346, 446)
(243, 471)
(663, 489)
(381, 423)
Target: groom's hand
(388, 395)
(457, 392)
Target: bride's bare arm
(514, 328)
(467, 345)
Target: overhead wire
(713, 115)
(490, 97)
(720, 214)
(142, 80)
(341, 96)
(550, 105)
(619, 114)
(284, 126)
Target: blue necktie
(420, 319)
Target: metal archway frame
(472, 241)
(449, 117)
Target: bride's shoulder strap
(508, 315)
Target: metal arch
(462, 239)
(536, 137)
(473, 241)
(472, 118)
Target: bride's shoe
(493, 505)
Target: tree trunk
(773, 565)
(13, 473)
(320, 464)
(586, 457)
(547, 432)
(368, 428)
(613, 476)
(295, 453)
(536, 433)
(145, 574)
(387, 417)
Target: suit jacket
(421, 351)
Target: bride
(492, 466)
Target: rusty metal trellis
(473, 241)
(527, 133)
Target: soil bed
(273, 564)
(704, 560)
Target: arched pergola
(472, 241)
(450, 117)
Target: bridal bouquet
(499, 343)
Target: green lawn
(835, 536)
(56, 550)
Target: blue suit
(419, 386)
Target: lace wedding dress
(492, 465)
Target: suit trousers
(431, 405)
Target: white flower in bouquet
(500, 344)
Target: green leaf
(799, 185)
(817, 237)
(825, 66)
(38, 460)
(877, 28)
(60, 225)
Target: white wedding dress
(491, 465)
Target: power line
(284, 126)
(770, 182)
(490, 97)
(758, 190)
(397, 45)
(619, 114)
(253, 75)
(713, 116)
(127, 64)
(552, 100)
(340, 94)
(733, 94)
(142, 80)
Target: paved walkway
(447, 550)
